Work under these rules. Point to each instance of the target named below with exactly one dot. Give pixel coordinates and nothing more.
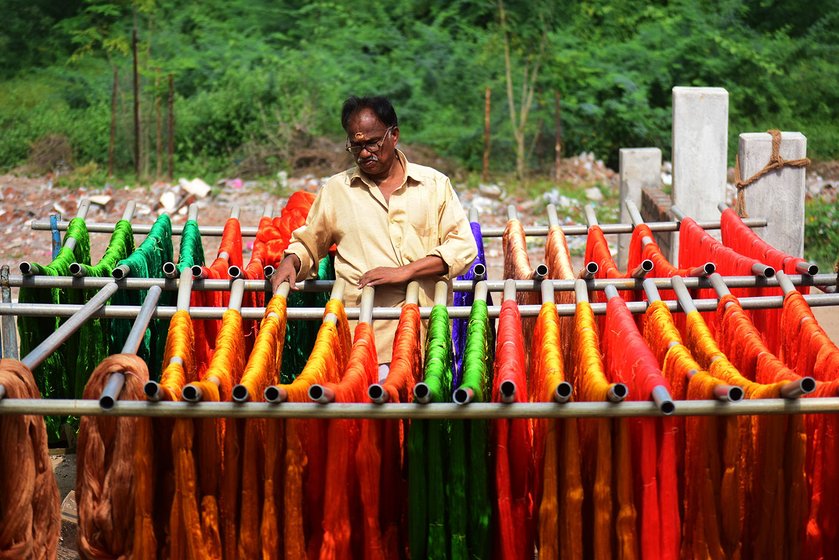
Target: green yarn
(472, 435)
(300, 335)
(192, 249)
(428, 443)
(146, 262)
(95, 333)
(56, 376)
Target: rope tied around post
(776, 163)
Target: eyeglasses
(371, 147)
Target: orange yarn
(556, 450)
(104, 487)
(30, 518)
(153, 463)
(605, 451)
(306, 440)
(384, 490)
(258, 535)
(558, 260)
(517, 266)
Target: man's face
(367, 132)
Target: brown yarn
(104, 488)
(30, 511)
(776, 163)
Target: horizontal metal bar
(17, 280)
(250, 231)
(316, 313)
(419, 411)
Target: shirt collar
(410, 173)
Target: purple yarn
(465, 299)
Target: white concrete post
(700, 152)
(640, 168)
(777, 196)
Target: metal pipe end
(807, 268)
(618, 392)
(377, 393)
(170, 270)
(647, 265)
(76, 270)
(728, 393)
(480, 272)
(508, 391)
(234, 272)
(107, 402)
(709, 268)
(663, 400)
(796, 389)
(540, 272)
(275, 395)
(268, 271)
(25, 268)
(422, 394)
(197, 272)
(120, 272)
(152, 390)
(563, 392)
(463, 395)
(191, 393)
(240, 394)
(321, 394)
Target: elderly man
(392, 221)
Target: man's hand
(286, 272)
(385, 275)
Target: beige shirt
(423, 217)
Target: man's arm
(427, 266)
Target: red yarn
(630, 361)
(513, 466)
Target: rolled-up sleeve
(311, 241)
(456, 244)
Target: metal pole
(798, 388)
(473, 214)
(480, 272)
(216, 231)
(547, 292)
(17, 280)
(784, 282)
(184, 292)
(412, 292)
(589, 270)
(512, 213)
(634, 214)
(237, 292)
(365, 313)
(452, 411)
(128, 213)
(581, 291)
(441, 292)
(807, 268)
(642, 269)
(481, 291)
(682, 295)
(115, 383)
(701, 271)
(553, 218)
(509, 290)
(10, 348)
(540, 272)
(591, 217)
(56, 339)
(170, 270)
(455, 312)
(234, 211)
(760, 269)
(338, 289)
(121, 272)
(651, 291)
(193, 214)
(677, 213)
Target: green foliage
(272, 75)
(821, 234)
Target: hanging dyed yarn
(630, 361)
(300, 335)
(30, 518)
(558, 260)
(428, 532)
(776, 487)
(302, 487)
(384, 490)
(57, 374)
(808, 350)
(741, 238)
(696, 247)
(558, 490)
(146, 262)
(154, 479)
(342, 491)
(94, 334)
(261, 371)
(105, 484)
(517, 266)
(468, 492)
(607, 469)
(463, 299)
(705, 449)
(512, 442)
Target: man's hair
(380, 105)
